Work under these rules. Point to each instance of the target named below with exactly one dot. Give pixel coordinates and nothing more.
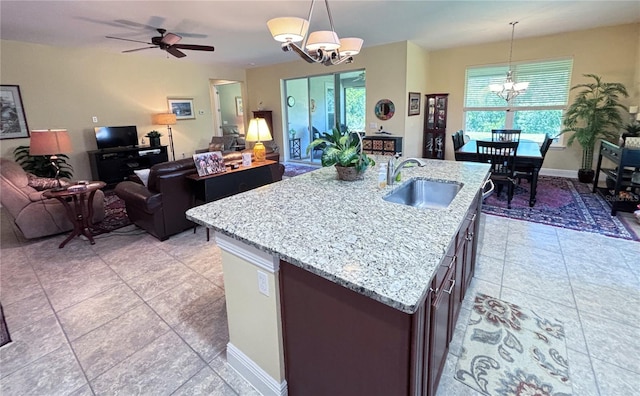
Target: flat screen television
(116, 136)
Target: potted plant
(344, 151)
(154, 138)
(40, 165)
(631, 130)
(593, 114)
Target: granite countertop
(346, 233)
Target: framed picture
(209, 163)
(14, 121)
(182, 108)
(414, 103)
(239, 107)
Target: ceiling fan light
(350, 46)
(326, 40)
(288, 29)
(171, 39)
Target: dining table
(527, 155)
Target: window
(537, 111)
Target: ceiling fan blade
(171, 39)
(134, 24)
(194, 47)
(176, 52)
(140, 49)
(124, 39)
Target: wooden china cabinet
(435, 125)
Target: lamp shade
(258, 131)
(164, 119)
(288, 29)
(350, 46)
(49, 142)
(323, 39)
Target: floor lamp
(51, 142)
(167, 119)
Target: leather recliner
(159, 207)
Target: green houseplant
(594, 114)
(154, 138)
(344, 151)
(40, 165)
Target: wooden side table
(79, 205)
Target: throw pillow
(143, 174)
(44, 183)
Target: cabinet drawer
(443, 282)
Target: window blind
(548, 84)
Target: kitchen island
(332, 290)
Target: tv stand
(115, 165)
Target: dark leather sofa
(159, 208)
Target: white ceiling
(238, 31)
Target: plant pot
(349, 173)
(586, 175)
(154, 141)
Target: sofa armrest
(137, 195)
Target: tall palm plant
(594, 114)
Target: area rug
(561, 202)
(4, 332)
(291, 169)
(115, 215)
(508, 350)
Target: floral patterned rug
(561, 202)
(291, 169)
(508, 350)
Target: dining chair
(526, 171)
(458, 140)
(502, 157)
(505, 135)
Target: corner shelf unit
(626, 162)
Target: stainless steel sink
(425, 193)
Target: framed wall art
(414, 103)
(239, 106)
(182, 108)
(13, 123)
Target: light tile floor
(132, 315)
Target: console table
(81, 212)
(382, 145)
(626, 161)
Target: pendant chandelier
(322, 46)
(509, 89)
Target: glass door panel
(297, 116)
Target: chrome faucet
(393, 169)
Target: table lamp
(51, 142)
(167, 119)
(258, 132)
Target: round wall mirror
(385, 109)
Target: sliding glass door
(315, 105)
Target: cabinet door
(439, 325)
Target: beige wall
(64, 88)
(386, 79)
(610, 52)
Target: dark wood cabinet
(435, 126)
(353, 340)
(382, 145)
(115, 165)
(626, 161)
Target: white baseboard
(254, 374)
(572, 174)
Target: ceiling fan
(167, 42)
